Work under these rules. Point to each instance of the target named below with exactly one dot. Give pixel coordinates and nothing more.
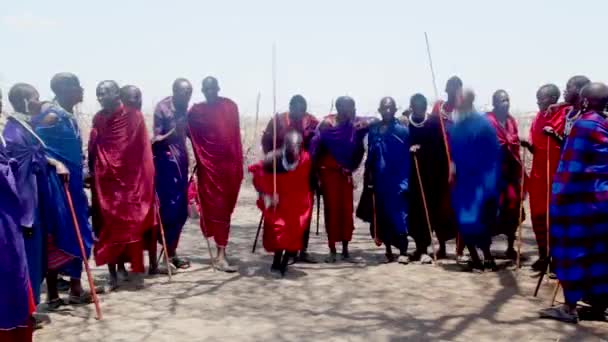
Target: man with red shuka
(216, 138)
(299, 120)
(122, 171)
(288, 207)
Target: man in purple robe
(171, 162)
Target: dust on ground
(366, 301)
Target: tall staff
(83, 252)
(274, 122)
(426, 210)
(521, 209)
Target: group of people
(454, 173)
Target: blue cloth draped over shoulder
(171, 163)
(388, 160)
(31, 181)
(63, 142)
(475, 154)
(14, 283)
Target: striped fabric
(579, 210)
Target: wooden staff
(428, 51)
(548, 202)
(374, 219)
(257, 234)
(85, 259)
(426, 210)
(200, 204)
(274, 122)
(521, 209)
(162, 235)
(555, 290)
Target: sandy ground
(365, 301)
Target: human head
(182, 93)
(25, 99)
(297, 106)
(293, 146)
(466, 105)
(418, 105)
(345, 106)
(501, 102)
(130, 96)
(595, 97)
(108, 95)
(387, 108)
(546, 96)
(67, 89)
(574, 87)
(211, 89)
(453, 88)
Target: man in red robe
(510, 181)
(442, 113)
(548, 116)
(288, 207)
(216, 138)
(299, 120)
(337, 150)
(122, 170)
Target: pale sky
(365, 49)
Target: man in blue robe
(474, 153)
(387, 171)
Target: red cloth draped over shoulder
(554, 117)
(123, 186)
(284, 225)
(216, 137)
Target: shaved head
(546, 96)
(24, 98)
(67, 89)
(501, 102)
(345, 106)
(182, 93)
(418, 105)
(130, 96)
(108, 95)
(387, 108)
(297, 106)
(574, 87)
(468, 98)
(595, 97)
(453, 88)
(211, 89)
(293, 145)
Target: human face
(182, 94)
(544, 100)
(297, 108)
(501, 102)
(293, 147)
(387, 109)
(571, 94)
(108, 96)
(211, 91)
(418, 108)
(33, 106)
(133, 98)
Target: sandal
(180, 263)
(54, 304)
(82, 299)
(560, 314)
(224, 266)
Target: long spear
(274, 122)
(83, 252)
(426, 210)
(521, 209)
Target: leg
(475, 263)
(304, 256)
(122, 270)
(221, 262)
(51, 287)
(286, 256)
(511, 253)
(113, 277)
(489, 262)
(331, 258)
(276, 261)
(442, 252)
(403, 258)
(345, 254)
(389, 253)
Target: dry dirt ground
(365, 301)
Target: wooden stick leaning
(274, 122)
(200, 204)
(548, 221)
(521, 209)
(426, 209)
(257, 234)
(318, 195)
(162, 234)
(85, 259)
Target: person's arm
(267, 136)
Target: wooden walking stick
(521, 209)
(426, 210)
(257, 234)
(274, 122)
(547, 219)
(318, 195)
(555, 291)
(162, 235)
(85, 259)
(374, 216)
